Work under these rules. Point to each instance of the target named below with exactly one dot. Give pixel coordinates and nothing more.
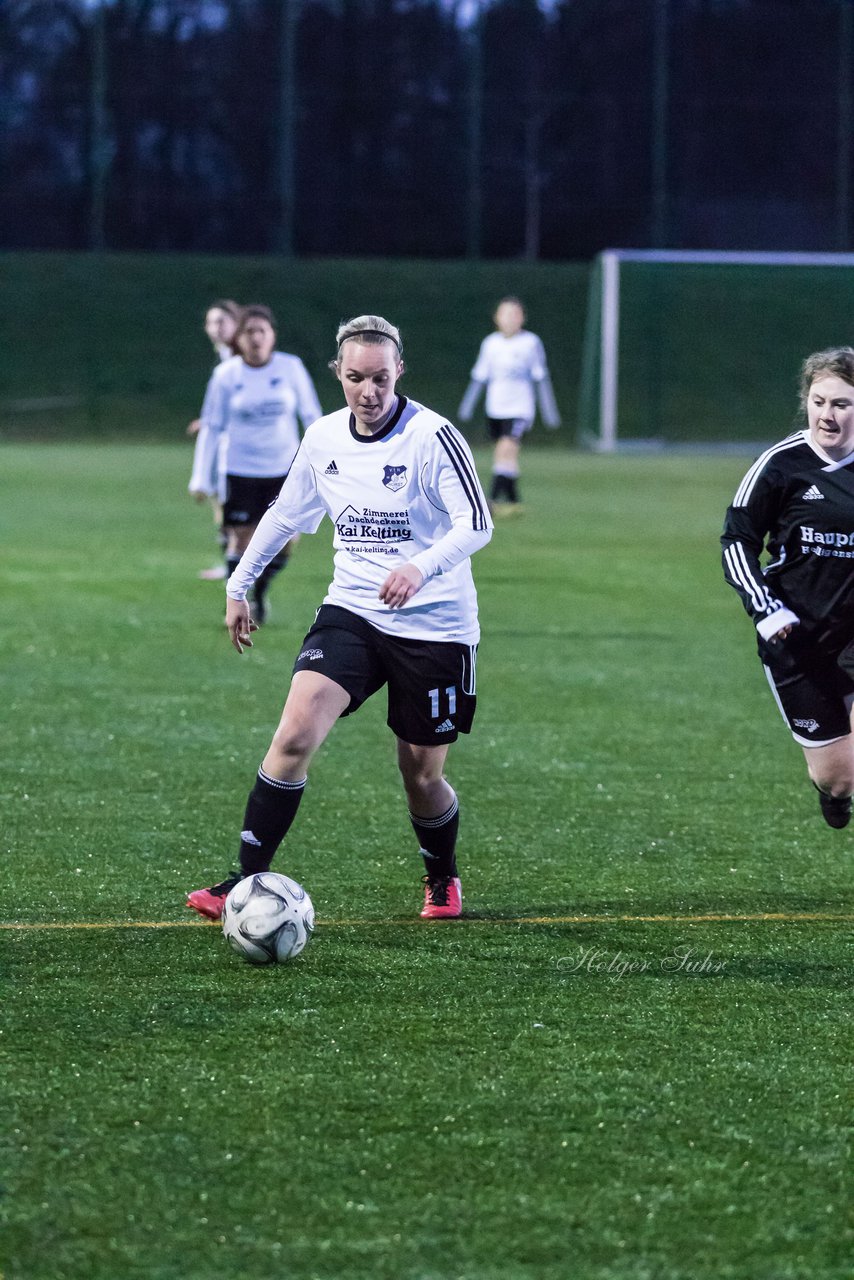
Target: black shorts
(515, 427)
(814, 693)
(431, 684)
(248, 497)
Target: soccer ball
(268, 918)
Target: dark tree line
(425, 127)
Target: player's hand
(240, 625)
(784, 632)
(199, 495)
(401, 585)
(195, 427)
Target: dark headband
(376, 333)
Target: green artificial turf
(629, 1061)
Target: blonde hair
(367, 330)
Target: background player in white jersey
(797, 503)
(221, 320)
(400, 486)
(511, 365)
(250, 436)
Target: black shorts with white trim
(513, 427)
(811, 686)
(431, 684)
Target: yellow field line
(795, 917)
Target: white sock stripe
(282, 785)
(441, 820)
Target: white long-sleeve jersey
(409, 494)
(250, 420)
(511, 368)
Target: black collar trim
(386, 430)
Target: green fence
(710, 352)
(112, 346)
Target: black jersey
(798, 506)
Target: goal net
(704, 348)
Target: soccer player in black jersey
(797, 504)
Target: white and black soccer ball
(268, 918)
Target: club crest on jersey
(394, 478)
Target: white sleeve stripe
(737, 565)
(463, 469)
(745, 489)
(736, 562)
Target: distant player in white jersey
(221, 320)
(797, 504)
(511, 365)
(250, 436)
(399, 485)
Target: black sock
(231, 563)
(270, 810)
(438, 840)
(512, 488)
(499, 487)
(267, 575)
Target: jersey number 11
(451, 695)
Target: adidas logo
(445, 727)
(332, 470)
(812, 493)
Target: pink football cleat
(443, 898)
(210, 902)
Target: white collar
(833, 464)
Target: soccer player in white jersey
(797, 504)
(221, 320)
(400, 487)
(511, 365)
(250, 436)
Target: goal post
(703, 347)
